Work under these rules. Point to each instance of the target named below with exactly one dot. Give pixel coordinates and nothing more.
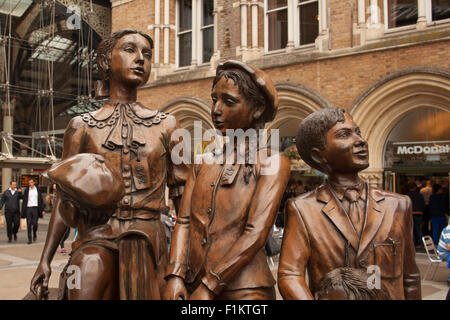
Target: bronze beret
(262, 81)
(88, 179)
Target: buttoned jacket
(319, 237)
(11, 201)
(223, 225)
(136, 141)
(40, 202)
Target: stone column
(157, 31)
(8, 118)
(361, 12)
(166, 32)
(421, 14)
(243, 24)
(195, 27)
(216, 55)
(291, 19)
(254, 23)
(323, 14)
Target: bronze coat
(315, 238)
(223, 225)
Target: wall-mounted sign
(26, 177)
(418, 153)
(418, 149)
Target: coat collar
(138, 109)
(374, 217)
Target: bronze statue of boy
(344, 222)
(228, 209)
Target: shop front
(417, 150)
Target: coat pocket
(388, 256)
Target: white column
(216, 26)
(166, 32)
(374, 12)
(8, 115)
(195, 28)
(255, 23)
(361, 12)
(323, 15)
(422, 14)
(291, 19)
(157, 30)
(243, 24)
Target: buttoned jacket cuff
(213, 282)
(176, 269)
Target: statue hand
(175, 289)
(39, 282)
(202, 293)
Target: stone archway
(383, 105)
(187, 110)
(296, 102)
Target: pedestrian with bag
(32, 208)
(10, 199)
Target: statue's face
(131, 60)
(345, 151)
(230, 109)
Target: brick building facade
(381, 60)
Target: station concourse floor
(18, 262)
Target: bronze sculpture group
(117, 163)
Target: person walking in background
(426, 192)
(10, 199)
(438, 211)
(418, 207)
(32, 208)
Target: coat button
(212, 184)
(203, 242)
(363, 263)
(126, 151)
(209, 210)
(126, 201)
(127, 184)
(126, 168)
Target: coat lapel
(375, 214)
(337, 216)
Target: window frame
(266, 25)
(177, 36)
(200, 37)
(396, 29)
(296, 5)
(429, 15)
(197, 28)
(297, 33)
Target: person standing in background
(418, 207)
(32, 208)
(426, 192)
(438, 212)
(10, 199)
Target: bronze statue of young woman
(135, 140)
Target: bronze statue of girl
(135, 140)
